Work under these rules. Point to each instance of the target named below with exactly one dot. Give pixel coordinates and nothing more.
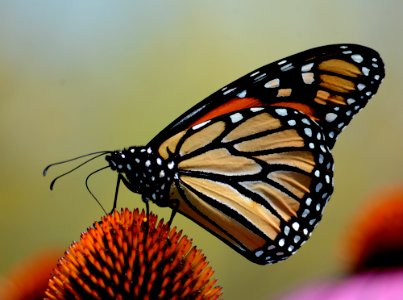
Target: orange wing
(329, 84)
(252, 179)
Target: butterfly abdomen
(144, 172)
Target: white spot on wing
(287, 67)
(236, 117)
(281, 112)
(256, 109)
(228, 91)
(330, 117)
(260, 77)
(242, 94)
(197, 126)
(254, 73)
(272, 83)
(307, 67)
(308, 131)
(305, 213)
(357, 58)
(308, 78)
(360, 86)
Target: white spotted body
(144, 172)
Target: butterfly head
(143, 172)
(130, 164)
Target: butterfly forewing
(250, 175)
(330, 84)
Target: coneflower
(129, 256)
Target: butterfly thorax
(144, 172)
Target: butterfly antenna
(89, 190)
(100, 153)
(45, 171)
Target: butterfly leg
(147, 209)
(146, 224)
(115, 200)
(174, 205)
(147, 213)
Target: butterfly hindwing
(254, 178)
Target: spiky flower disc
(127, 256)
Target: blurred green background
(81, 76)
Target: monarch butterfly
(252, 163)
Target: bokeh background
(81, 76)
